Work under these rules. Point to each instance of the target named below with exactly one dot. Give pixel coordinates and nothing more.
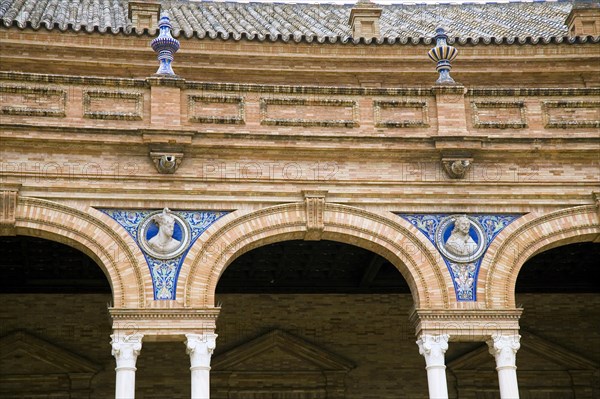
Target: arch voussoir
(85, 231)
(527, 237)
(239, 233)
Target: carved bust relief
(460, 238)
(164, 235)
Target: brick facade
(299, 140)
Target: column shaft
(125, 349)
(504, 348)
(433, 349)
(200, 348)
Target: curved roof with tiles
(515, 22)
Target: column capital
(433, 348)
(125, 349)
(504, 348)
(200, 347)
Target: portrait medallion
(460, 238)
(164, 234)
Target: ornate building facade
(295, 182)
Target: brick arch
(393, 238)
(85, 230)
(526, 237)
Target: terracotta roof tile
(403, 23)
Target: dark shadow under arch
(571, 268)
(37, 265)
(298, 266)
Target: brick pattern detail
(499, 114)
(216, 109)
(32, 101)
(117, 105)
(571, 114)
(406, 113)
(309, 112)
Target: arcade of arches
(293, 207)
(298, 319)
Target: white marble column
(504, 348)
(200, 348)
(125, 349)
(433, 347)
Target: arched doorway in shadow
(314, 319)
(55, 331)
(559, 291)
(55, 322)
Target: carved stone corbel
(456, 167)
(166, 162)
(315, 211)
(9, 194)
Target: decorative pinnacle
(165, 46)
(443, 54)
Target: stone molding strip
(465, 325)
(72, 79)
(164, 324)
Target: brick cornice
(533, 91)
(72, 79)
(297, 89)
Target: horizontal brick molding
(101, 239)
(394, 239)
(525, 238)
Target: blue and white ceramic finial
(165, 46)
(443, 54)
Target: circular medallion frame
(183, 231)
(475, 226)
